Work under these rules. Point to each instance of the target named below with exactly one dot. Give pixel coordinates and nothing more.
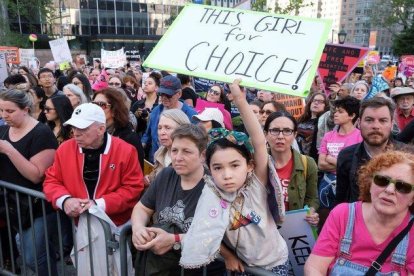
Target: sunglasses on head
(214, 92)
(400, 186)
(103, 105)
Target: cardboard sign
(113, 59)
(407, 65)
(300, 238)
(203, 85)
(373, 57)
(338, 61)
(294, 105)
(60, 50)
(265, 50)
(3, 68)
(26, 56)
(12, 54)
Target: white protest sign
(273, 52)
(300, 238)
(60, 50)
(113, 59)
(26, 56)
(3, 68)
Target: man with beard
(376, 118)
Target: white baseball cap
(211, 114)
(86, 114)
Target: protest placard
(373, 57)
(60, 50)
(113, 59)
(267, 51)
(12, 54)
(26, 56)
(3, 68)
(294, 105)
(390, 72)
(338, 61)
(407, 65)
(300, 238)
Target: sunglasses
(268, 112)
(76, 83)
(48, 109)
(114, 84)
(103, 105)
(165, 95)
(214, 92)
(400, 186)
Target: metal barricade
(126, 233)
(19, 240)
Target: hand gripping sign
(273, 52)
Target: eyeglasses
(214, 92)
(268, 112)
(103, 105)
(165, 95)
(46, 77)
(400, 186)
(318, 101)
(277, 131)
(117, 84)
(47, 109)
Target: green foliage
(292, 7)
(403, 43)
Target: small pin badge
(112, 166)
(223, 204)
(213, 212)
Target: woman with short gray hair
(75, 95)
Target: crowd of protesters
(228, 164)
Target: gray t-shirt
(172, 204)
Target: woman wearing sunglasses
(355, 234)
(268, 108)
(296, 173)
(117, 118)
(58, 109)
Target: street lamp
(342, 36)
(62, 9)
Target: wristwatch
(177, 244)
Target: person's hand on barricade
(312, 218)
(141, 237)
(73, 207)
(232, 262)
(162, 242)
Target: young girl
(232, 216)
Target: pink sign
(407, 65)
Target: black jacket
(132, 138)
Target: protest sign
(300, 238)
(203, 85)
(294, 105)
(373, 57)
(60, 50)
(390, 72)
(338, 61)
(407, 65)
(265, 50)
(3, 68)
(113, 59)
(12, 54)
(26, 56)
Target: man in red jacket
(94, 168)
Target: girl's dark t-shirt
(38, 139)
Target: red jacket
(120, 181)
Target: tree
(293, 6)
(403, 43)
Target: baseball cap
(86, 114)
(401, 91)
(169, 85)
(210, 114)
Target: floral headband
(236, 137)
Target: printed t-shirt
(284, 174)
(363, 249)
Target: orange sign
(294, 105)
(390, 72)
(372, 40)
(12, 54)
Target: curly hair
(378, 163)
(119, 110)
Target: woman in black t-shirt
(171, 200)
(27, 149)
